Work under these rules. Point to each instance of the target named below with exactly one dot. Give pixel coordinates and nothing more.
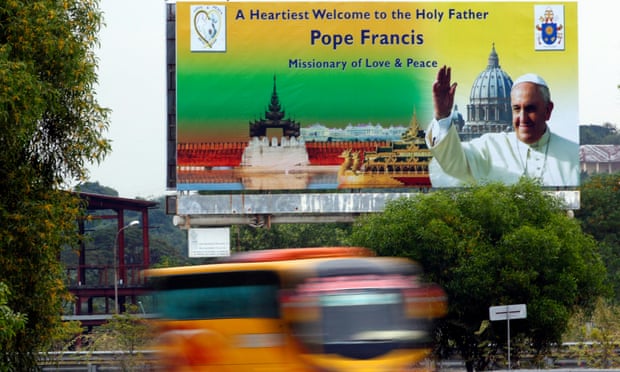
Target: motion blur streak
(296, 309)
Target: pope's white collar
(544, 139)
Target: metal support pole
(132, 223)
(508, 327)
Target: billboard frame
(261, 209)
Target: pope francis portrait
(531, 149)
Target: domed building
(489, 101)
(457, 119)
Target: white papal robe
(500, 157)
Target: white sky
(132, 83)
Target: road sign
(508, 312)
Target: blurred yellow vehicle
(297, 309)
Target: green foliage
(605, 134)
(595, 337)
(95, 188)
(246, 238)
(168, 242)
(50, 127)
(126, 333)
(63, 338)
(600, 217)
(11, 323)
(49, 118)
(492, 245)
(31, 235)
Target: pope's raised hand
(443, 93)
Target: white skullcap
(530, 78)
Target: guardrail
(99, 361)
(146, 360)
(100, 276)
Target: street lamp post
(132, 223)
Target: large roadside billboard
(339, 95)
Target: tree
(600, 217)
(64, 339)
(126, 333)
(492, 245)
(246, 238)
(95, 188)
(605, 134)
(168, 242)
(10, 322)
(595, 336)
(50, 128)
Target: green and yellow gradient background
(218, 93)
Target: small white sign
(508, 312)
(209, 242)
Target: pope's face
(530, 112)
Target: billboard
(339, 95)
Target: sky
(132, 83)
